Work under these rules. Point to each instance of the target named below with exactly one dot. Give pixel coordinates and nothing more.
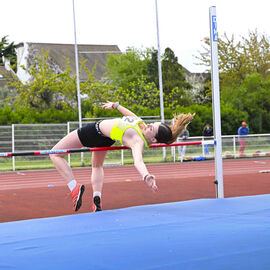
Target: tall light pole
(77, 68)
(160, 77)
(77, 74)
(159, 69)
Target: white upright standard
(216, 101)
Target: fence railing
(36, 137)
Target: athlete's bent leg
(76, 190)
(68, 142)
(97, 178)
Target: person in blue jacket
(243, 131)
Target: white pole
(122, 157)
(234, 147)
(77, 67)
(77, 74)
(68, 131)
(216, 101)
(13, 145)
(160, 77)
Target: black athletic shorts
(91, 136)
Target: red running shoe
(76, 196)
(96, 204)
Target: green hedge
(31, 116)
(230, 117)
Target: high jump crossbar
(95, 149)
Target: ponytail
(180, 122)
(168, 134)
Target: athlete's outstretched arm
(148, 178)
(116, 106)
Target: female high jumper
(131, 131)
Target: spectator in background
(182, 149)
(243, 131)
(207, 132)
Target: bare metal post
(77, 74)
(13, 145)
(160, 77)
(68, 131)
(234, 147)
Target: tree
(238, 59)
(204, 95)
(244, 75)
(94, 91)
(152, 68)
(254, 98)
(7, 50)
(125, 70)
(138, 92)
(178, 96)
(6, 95)
(130, 79)
(173, 74)
(50, 89)
(46, 89)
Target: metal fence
(35, 137)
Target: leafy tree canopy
(238, 59)
(49, 89)
(126, 68)
(138, 66)
(244, 67)
(7, 50)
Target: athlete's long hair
(168, 134)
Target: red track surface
(35, 194)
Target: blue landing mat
(227, 234)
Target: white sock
(72, 184)
(97, 193)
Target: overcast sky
(182, 23)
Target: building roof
(59, 53)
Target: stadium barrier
(36, 137)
